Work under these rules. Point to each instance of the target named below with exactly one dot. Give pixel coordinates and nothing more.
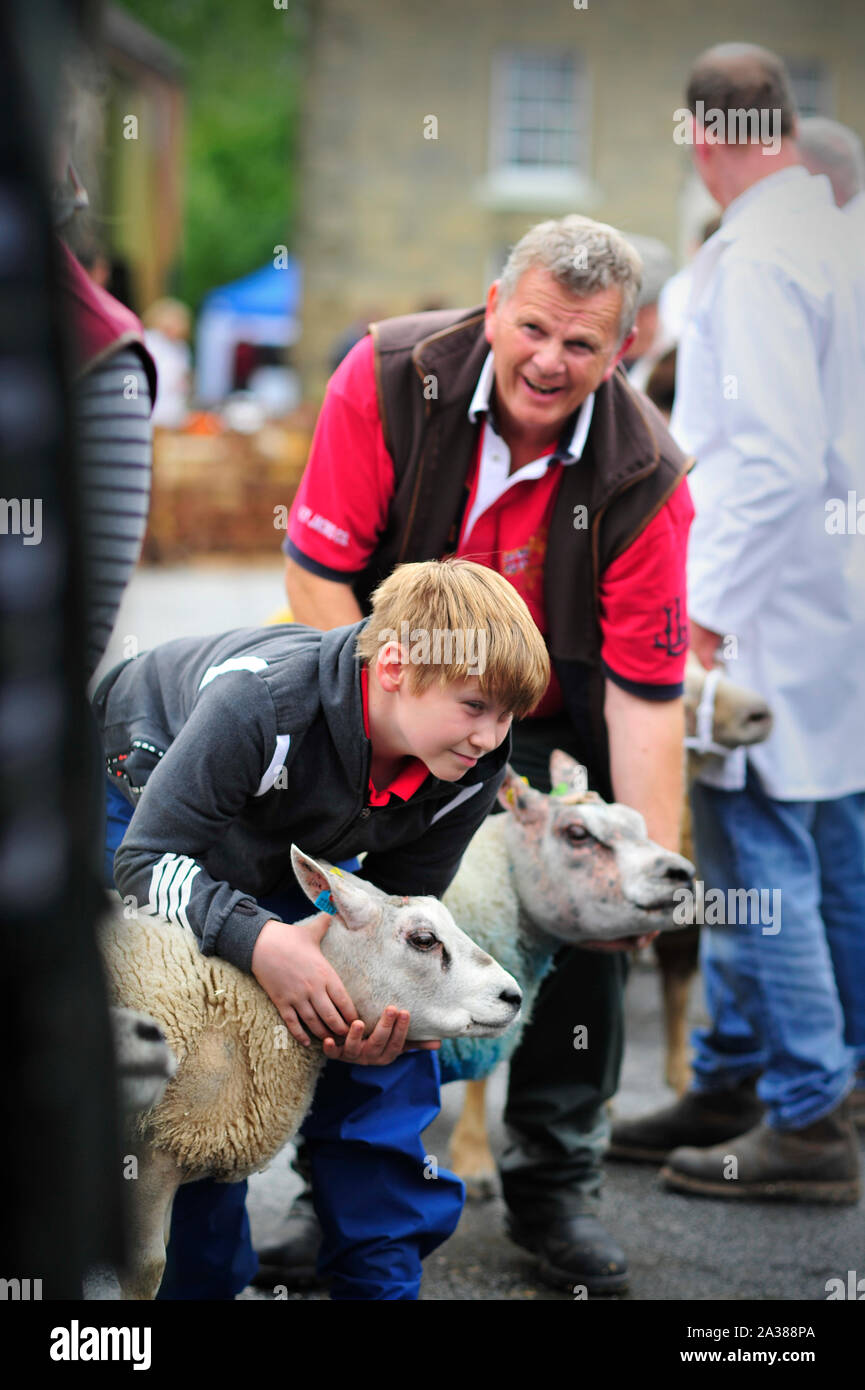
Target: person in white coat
(829, 148)
(770, 396)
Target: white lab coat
(855, 210)
(770, 397)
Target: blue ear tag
(324, 902)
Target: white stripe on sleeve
(457, 801)
(170, 888)
(276, 762)
(234, 663)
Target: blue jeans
(380, 1212)
(785, 993)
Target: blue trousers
(785, 989)
(383, 1203)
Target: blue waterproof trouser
(382, 1201)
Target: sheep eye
(575, 833)
(422, 940)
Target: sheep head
(737, 718)
(144, 1061)
(584, 869)
(408, 952)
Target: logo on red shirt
(527, 561)
(673, 637)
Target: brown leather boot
(857, 1108)
(699, 1118)
(856, 1100)
(819, 1163)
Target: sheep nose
(758, 719)
(675, 873)
(148, 1032)
(511, 996)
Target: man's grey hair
(827, 147)
(584, 257)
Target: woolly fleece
(243, 1084)
(483, 901)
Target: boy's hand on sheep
(289, 965)
(385, 1043)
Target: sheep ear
(520, 799)
(330, 890)
(566, 772)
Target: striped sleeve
(112, 409)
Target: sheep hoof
(678, 1077)
(481, 1187)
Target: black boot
(574, 1250)
(293, 1261)
(819, 1163)
(698, 1118)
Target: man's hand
(704, 644)
(288, 963)
(385, 1043)
(622, 943)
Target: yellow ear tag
(335, 870)
(509, 796)
(525, 779)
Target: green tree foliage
(242, 84)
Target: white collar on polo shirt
(480, 405)
(494, 476)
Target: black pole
(59, 1155)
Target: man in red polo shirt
(508, 436)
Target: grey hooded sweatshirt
(233, 747)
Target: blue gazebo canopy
(271, 290)
(262, 308)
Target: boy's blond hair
(455, 619)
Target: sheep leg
(676, 988)
(150, 1217)
(470, 1155)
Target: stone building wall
(392, 220)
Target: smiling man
(550, 353)
(508, 434)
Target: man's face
(449, 727)
(551, 348)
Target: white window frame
(511, 186)
(502, 64)
(822, 79)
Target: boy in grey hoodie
(388, 738)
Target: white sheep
(243, 1085)
(497, 906)
(557, 869)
